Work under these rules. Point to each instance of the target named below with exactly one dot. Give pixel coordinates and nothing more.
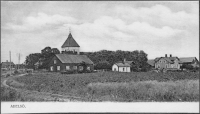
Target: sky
(157, 28)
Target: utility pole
(19, 61)
(10, 64)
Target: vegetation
(104, 59)
(90, 84)
(184, 90)
(8, 94)
(44, 57)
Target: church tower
(71, 45)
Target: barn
(66, 62)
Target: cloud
(158, 15)
(41, 21)
(157, 29)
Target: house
(7, 65)
(70, 45)
(173, 63)
(66, 62)
(190, 61)
(19, 66)
(167, 62)
(124, 66)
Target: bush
(16, 72)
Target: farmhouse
(65, 62)
(124, 66)
(172, 62)
(7, 65)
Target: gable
(70, 42)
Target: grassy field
(113, 86)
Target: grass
(8, 94)
(116, 86)
(184, 90)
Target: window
(163, 61)
(51, 68)
(88, 68)
(123, 69)
(80, 68)
(55, 61)
(160, 61)
(67, 68)
(166, 66)
(74, 67)
(58, 67)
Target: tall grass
(116, 86)
(184, 90)
(8, 94)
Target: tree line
(103, 59)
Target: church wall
(77, 49)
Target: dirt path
(42, 95)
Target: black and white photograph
(119, 52)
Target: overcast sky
(157, 28)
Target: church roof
(66, 58)
(70, 42)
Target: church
(70, 58)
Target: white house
(121, 67)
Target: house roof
(70, 42)
(169, 59)
(66, 58)
(7, 63)
(151, 62)
(187, 59)
(123, 64)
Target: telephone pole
(19, 61)
(10, 64)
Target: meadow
(114, 86)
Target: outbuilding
(121, 67)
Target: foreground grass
(184, 90)
(114, 86)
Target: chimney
(165, 55)
(124, 60)
(170, 55)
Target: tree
(46, 55)
(103, 65)
(31, 59)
